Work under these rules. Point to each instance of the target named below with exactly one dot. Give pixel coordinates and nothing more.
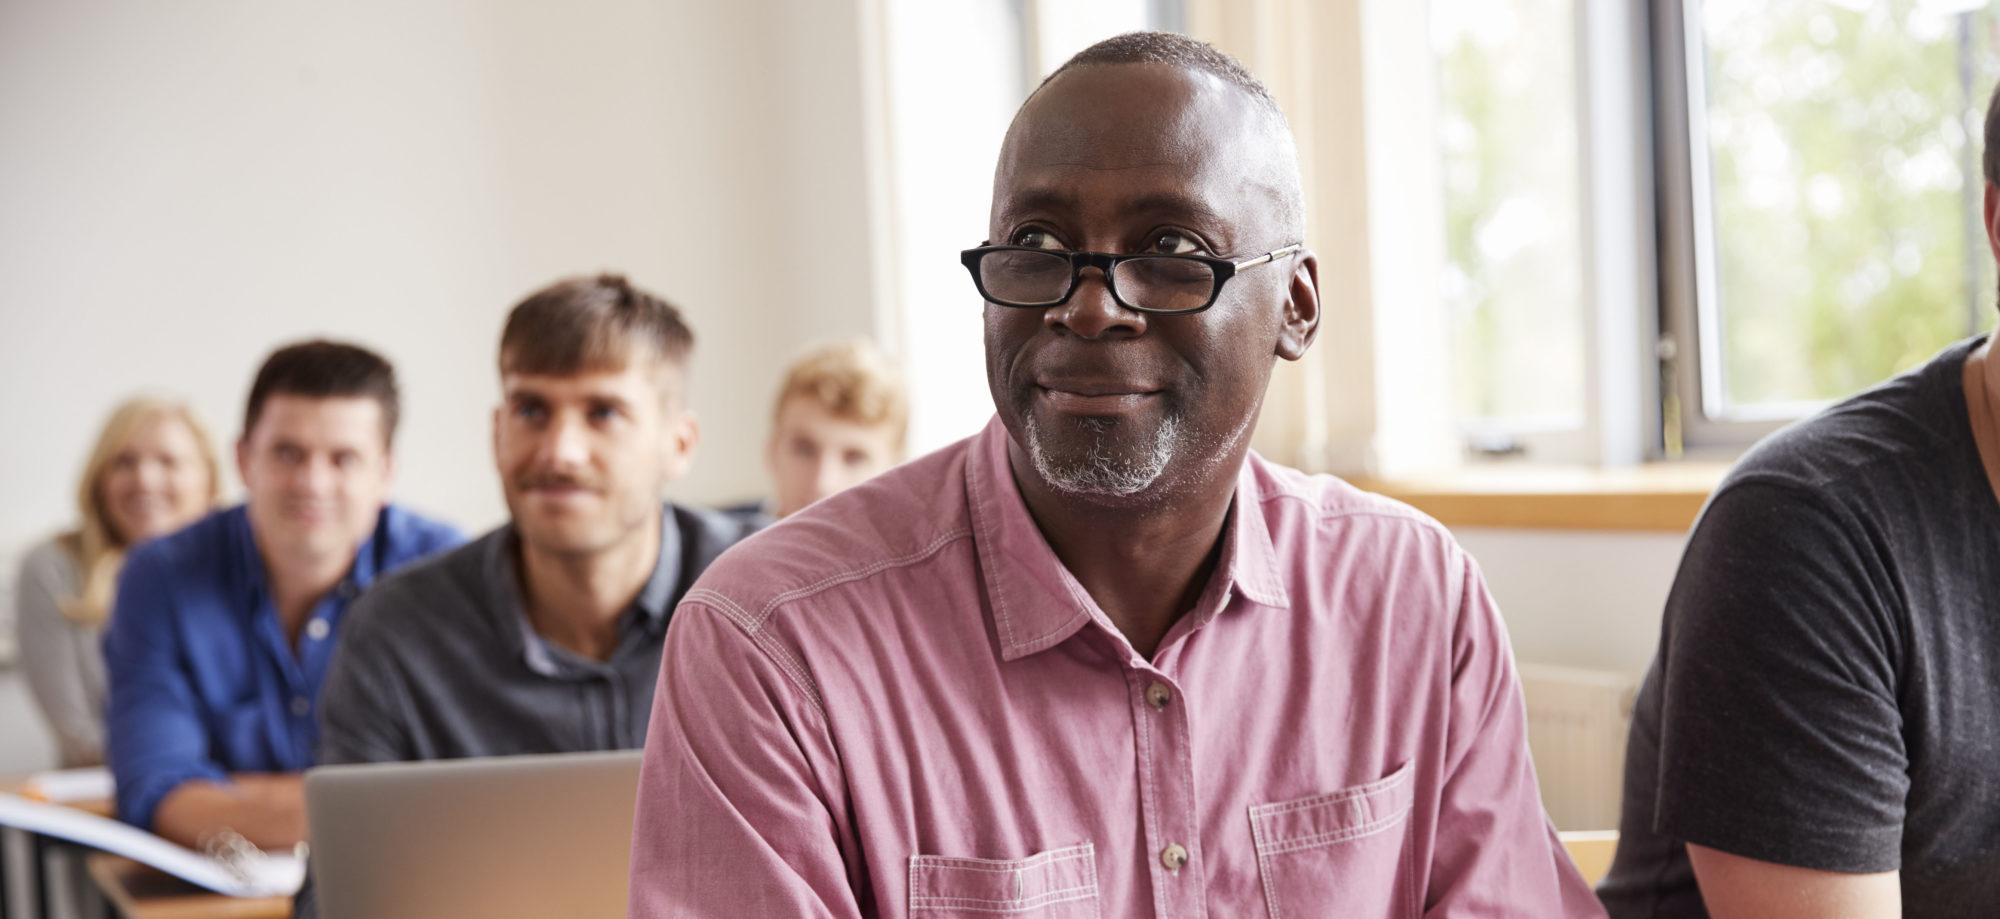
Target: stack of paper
(256, 875)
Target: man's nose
(566, 443)
(1092, 312)
(826, 477)
(317, 475)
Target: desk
(138, 891)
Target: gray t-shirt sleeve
(1781, 738)
(64, 667)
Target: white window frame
(1621, 417)
(1691, 362)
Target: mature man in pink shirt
(1100, 659)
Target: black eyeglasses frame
(1107, 263)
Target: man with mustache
(221, 634)
(543, 636)
(1100, 659)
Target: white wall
(1579, 599)
(184, 186)
(190, 184)
(952, 79)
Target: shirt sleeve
(738, 811)
(1780, 733)
(153, 727)
(1497, 853)
(55, 653)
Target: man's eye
(1037, 239)
(1171, 243)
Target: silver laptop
(515, 836)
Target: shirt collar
(656, 599)
(1036, 603)
(360, 573)
(649, 608)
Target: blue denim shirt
(201, 680)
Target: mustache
(550, 478)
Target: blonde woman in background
(152, 472)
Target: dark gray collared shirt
(440, 661)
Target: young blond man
(840, 419)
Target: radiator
(1576, 730)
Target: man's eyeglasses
(1031, 278)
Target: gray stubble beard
(1100, 473)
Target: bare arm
(1734, 886)
(268, 810)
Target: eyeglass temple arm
(1269, 256)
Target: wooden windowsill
(1657, 497)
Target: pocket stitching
(1087, 890)
(1344, 834)
(1267, 847)
(1334, 797)
(979, 864)
(1264, 864)
(1005, 906)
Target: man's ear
(1301, 318)
(683, 435)
(1992, 211)
(498, 411)
(388, 472)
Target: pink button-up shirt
(899, 703)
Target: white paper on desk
(66, 785)
(270, 876)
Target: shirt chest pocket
(1340, 853)
(1057, 884)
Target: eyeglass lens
(1032, 278)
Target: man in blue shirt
(221, 633)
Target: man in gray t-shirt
(543, 636)
(1818, 734)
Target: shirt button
(1173, 857)
(1158, 695)
(301, 706)
(317, 629)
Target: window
(953, 76)
(1513, 295)
(1820, 177)
(1814, 167)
